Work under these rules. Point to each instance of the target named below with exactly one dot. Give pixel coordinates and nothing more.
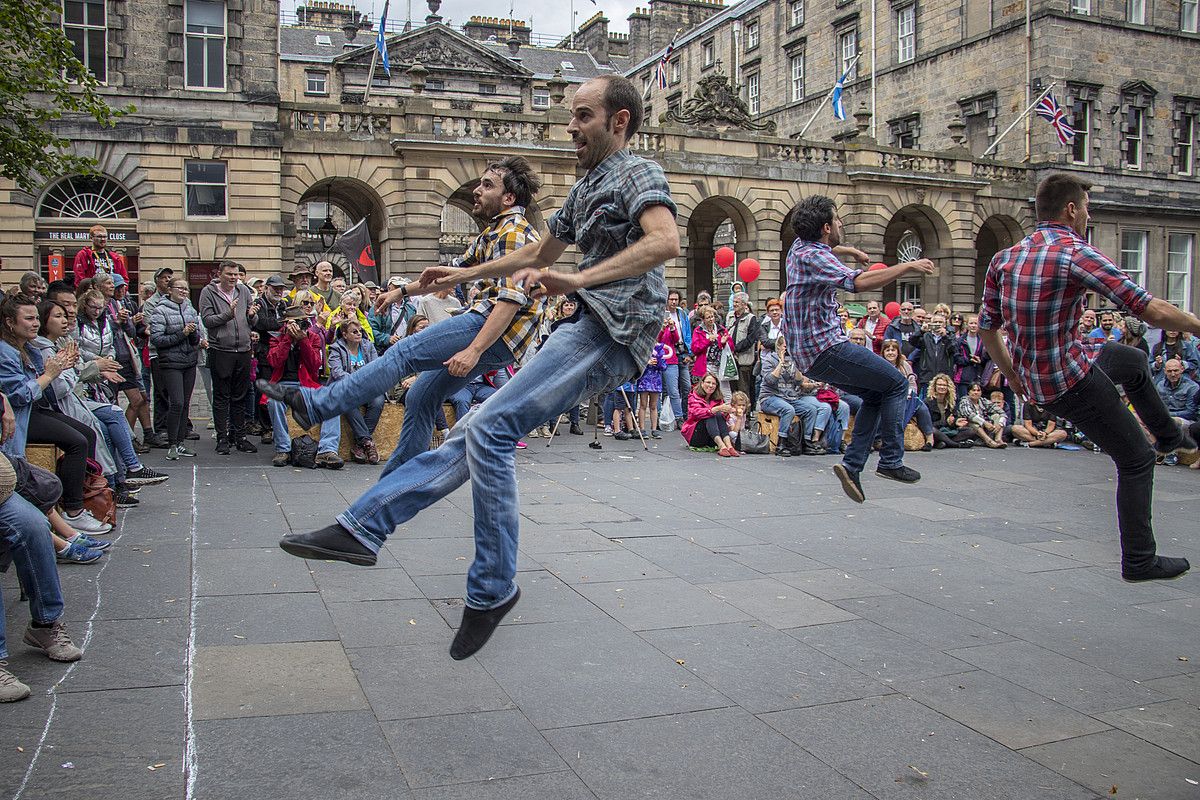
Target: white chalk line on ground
(53, 690)
(190, 762)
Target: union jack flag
(1049, 110)
(661, 71)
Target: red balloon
(876, 265)
(748, 270)
(892, 309)
(725, 257)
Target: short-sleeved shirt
(1036, 290)
(508, 231)
(810, 304)
(600, 217)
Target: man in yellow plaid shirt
(493, 333)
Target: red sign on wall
(54, 267)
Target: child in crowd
(649, 389)
(739, 417)
(621, 410)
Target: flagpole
(821, 105)
(1017, 121)
(375, 53)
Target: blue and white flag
(839, 110)
(381, 45)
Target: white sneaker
(84, 522)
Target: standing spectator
(938, 351)
(98, 258)
(295, 359)
(743, 330)
(349, 353)
(957, 326)
(709, 340)
(1135, 335)
(391, 321)
(770, 327)
(649, 389)
(973, 358)
(682, 373)
(228, 311)
(706, 425)
(302, 280)
(671, 343)
(160, 401)
(324, 287)
(1178, 391)
(175, 334)
(903, 328)
(33, 286)
(1106, 330)
(439, 305)
(875, 324)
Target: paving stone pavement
(690, 627)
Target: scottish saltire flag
(380, 45)
(661, 71)
(839, 110)
(1049, 110)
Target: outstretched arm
(1162, 314)
(875, 279)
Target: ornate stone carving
(438, 54)
(716, 104)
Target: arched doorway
(72, 205)
(344, 201)
(997, 233)
(915, 231)
(716, 222)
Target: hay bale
(387, 432)
(43, 455)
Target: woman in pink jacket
(708, 340)
(706, 425)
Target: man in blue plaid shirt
(621, 218)
(821, 349)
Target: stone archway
(915, 231)
(345, 201)
(715, 222)
(459, 226)
(997, 233)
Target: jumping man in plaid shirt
(821, 349)
(1036, 290)
(621, 218)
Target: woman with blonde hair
(351, 311)
(949, 430)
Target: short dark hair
(811, 215)
(674, 292)
(60, 287)
(621, 95)
(519, 178)
(227, 264)
(1055, 191)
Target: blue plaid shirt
(600, 217)
(810, 320)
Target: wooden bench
(387, 432)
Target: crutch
(634, 416)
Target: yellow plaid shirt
(508, 231)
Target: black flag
(355, 244)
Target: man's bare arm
(875, 279)
(993, 342)
(1162, 314)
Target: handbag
(754, 442)
(97, 496)
(828, 395)
(727, 370)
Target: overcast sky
(547, 20)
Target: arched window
(87, 197)
(909, 248)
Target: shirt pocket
(603, 232)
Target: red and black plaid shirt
(1036, 291)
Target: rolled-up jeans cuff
(364, 537)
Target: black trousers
(1095, 407)
(161, 401)
(707, 431)
(179, 385)
(78, 443)
(231, 383)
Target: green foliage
(40, 80)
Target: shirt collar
(818, 245)
(1059, 228)
(507, 213)
(601, 169)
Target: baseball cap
(275, 280)
(161, 270)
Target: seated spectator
(935, 350)
(479, 389)
(739, 417)
(1174, 345)
(787, 394)
(295, 358)
(351, 308)
(984, 420)
(709, 341)
(1180, 393)
(391, 321)
(949, 429)
(1040, 428)
(416, 325)
(875, 325)
(706, 425)
(916, 410)
(1135, 335)
(349, 353)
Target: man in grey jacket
(227, 309)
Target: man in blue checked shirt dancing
(621, 218)
(821, 349)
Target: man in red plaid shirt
(1035, 291)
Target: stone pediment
(438, 48)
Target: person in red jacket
(98, 258)
(296, 355)
(706, 424)
(875, 324)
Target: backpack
(304, 452)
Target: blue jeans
(884, 392)
(362, 424)
(426, 351)
(835, 430)
(671, 389)
(470, 395)
(118, 434)
(331, 429)
(579, 360)
(26, 533)
(787, 410)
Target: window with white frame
(796, 13)
(206, 186)
(316, 82)
(847, 44)
(1081, 6)
(752, 92)
(1189, 16)
(675, 71)
(797, 82)
(204, 44)
(541, 98)
(710, 53)
(1082, 108)
(85, 24)
(906, 34)
(1185, 145)
(1181, 251)
(909, 291)
(1135, 11)
(1133, 254)
(1135, 123)
(752, 33)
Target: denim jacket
(18, 380)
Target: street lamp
(328, 231)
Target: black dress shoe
(331, 542)
(290, 396)
(477, 627)
(1161, 568)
